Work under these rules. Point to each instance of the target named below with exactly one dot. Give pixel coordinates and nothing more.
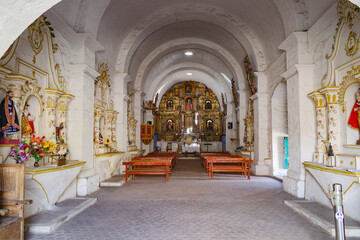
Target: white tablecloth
(191, 148)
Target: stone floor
(190, 206)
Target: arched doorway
(279, 131)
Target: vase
(36, 164)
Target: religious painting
(208, 104)
(169, 105)
(188, 104)
(169, 125)
(188, 88)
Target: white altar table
(191, 148)
(319, 178)
(46, 184)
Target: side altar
(336, 158)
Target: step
(323, 217)
(115, 181)
(48, 221)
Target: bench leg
(166, 174)
(126, 174)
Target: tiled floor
(190, 206)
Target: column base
(294, 186)
(88, 182)
(261, 169)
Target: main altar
(188, 116)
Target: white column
(299, 77)
(62, 114)
(119, 93)
(261, 120)
(321, 126)
(52, 96)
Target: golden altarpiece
(105, 115)
(189, 108)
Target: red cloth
(353, 119)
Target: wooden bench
(148, 167)
(12, 192)
(205, 156)
(229, 164)
(165, 154)
(156, 158)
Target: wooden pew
(156, 158)
(12, 192)
(172, 154)
(148, 167)
(205, 156)
(229, 164)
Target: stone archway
(279, 130)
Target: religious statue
(188, 104)
(235, 93)
(208, 104)
(58, 134)
(169, 105)
(250, 77)
(188, 88)
(354, 119)
(27, 122)
(9, 121)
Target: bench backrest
(12, 178)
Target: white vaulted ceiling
(146, 38)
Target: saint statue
(188, 104)
(27, 122)
(9, 122)
(354, 119)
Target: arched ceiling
(137, 36)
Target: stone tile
(190, 206)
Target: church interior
(96, 92)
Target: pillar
(333, 110)
(120, 97)
(261, 119)
(51, 96)
(62, 114)
(138, 115)
(321, 126)
(299, 77)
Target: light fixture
(188, 74)
(188, 53)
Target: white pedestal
(46, 184)
(108, 164)
(319, 178)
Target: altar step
(323, 217)
(115, 181)
(48, 221)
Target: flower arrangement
(37, 148)
(49, 146)
(20, 152)
(107, 141)
(63, 152)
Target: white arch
(176, 74)
(232, 24)
(16, 16)
(239, 74)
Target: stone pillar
(81, 109)
(98, 114)
(333, 110)
(120, 97)
(51, 97)
(261, 116)
(299, 77)
(62, 114)
(321, 126)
